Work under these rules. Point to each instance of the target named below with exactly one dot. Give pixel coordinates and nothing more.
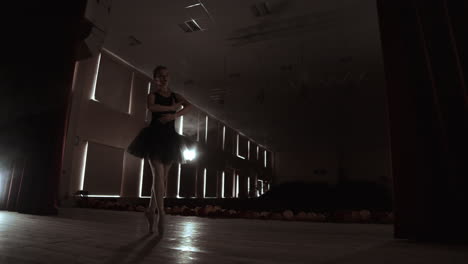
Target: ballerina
(159, 143)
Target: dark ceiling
(281, 72)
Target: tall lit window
(222, 184)
(178, 181)
(130, 104)
(96, 73)
(224, 136)
(261, 186)
(237, 185)
(237, 147)
(234, 185)
(103, 196)
(83, 165)
(142, 168)
(147, 111)
(204, 183)
(180, 124)
(206, 129)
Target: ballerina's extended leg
(157, 170)
(162, 193)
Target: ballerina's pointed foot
(150, 217)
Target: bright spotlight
(190, 154)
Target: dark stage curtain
(425, 56)
(36, 75)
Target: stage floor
(100, 236)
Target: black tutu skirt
(159, 142)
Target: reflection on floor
(99, 236)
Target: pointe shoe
(150, 217)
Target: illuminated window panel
(141, 179)
(83, 164)
(248, 185)
(269, 158)
(219, 183)
(172, 187)
(130, 104)
(252, 151)
(103, 196)
(211, 183)
(230, 141)
(95, 78)
(148, 112)
(212, 127)
(204, 183)
(103, 170)
(75, 74)
(265, 153)
(146, 180)
(140, 89)
(234, 185)
(260, 186)
(237, 185)
(261, 156)
(220, 134)
(229, 185)
(113, 83)
(178, 181)
(190, 124)
(202, 127)
(179, 124)
(206, 129)
(241, 146)
(223, 138)
(223, 180)
(188, 179)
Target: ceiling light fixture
(193, 25)
(198, 17)
(197, 4)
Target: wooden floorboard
(105, 237)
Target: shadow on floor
(122, 253)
